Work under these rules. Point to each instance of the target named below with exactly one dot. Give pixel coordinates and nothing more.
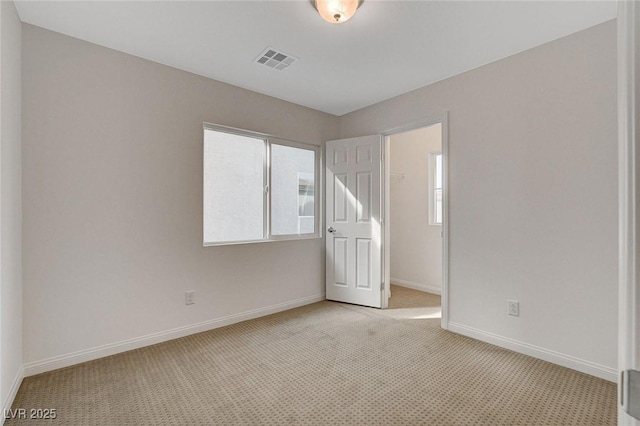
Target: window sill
(271, 240)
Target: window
(435, 188)
(288, 163)
(257, 188)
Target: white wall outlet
(513, 308)
(190, 297)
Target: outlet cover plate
(513, 308)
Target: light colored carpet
(327, 364)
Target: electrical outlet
(513, 308)
(190, 297)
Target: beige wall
(533, 196)
(416, 246)
(113, 204)
(10, 204)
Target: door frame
(629, 212)
(439, 118)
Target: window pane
(306, 194)
(292, 190)
(437, 199)
(438, 184)
(438, 189)
(233, 187)
(435, 188)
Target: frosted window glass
(437, 199)
(436, 196)
(234, 195)
(438, 171)
(292, 190)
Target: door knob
(331, 230)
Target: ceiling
(388, 48)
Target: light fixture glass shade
(337, 11)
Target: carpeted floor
(326, 364)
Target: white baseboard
(11, 396)
(78, 357)
(434, 289)
(588, 367)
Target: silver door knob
(331, 230)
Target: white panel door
(354, 231)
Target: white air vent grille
(275, 59)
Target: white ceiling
(386, 49)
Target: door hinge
(266, 189)
(630, 392)
(382, 286)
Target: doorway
(415, 205)
(358, 233)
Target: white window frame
(432, 189)
(270, 140)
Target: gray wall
(533, 194)
(113, 203)
(10, 203)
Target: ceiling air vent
(275, 59)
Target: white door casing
(438, 118)
(353, 220)
(628, 24)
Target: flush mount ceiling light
(336, 11)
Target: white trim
(11, 396)
(427, 288)
(588, 367)
(444, 301)
(258, 135)
(85, 355)
(386, 219)
(628, 38)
